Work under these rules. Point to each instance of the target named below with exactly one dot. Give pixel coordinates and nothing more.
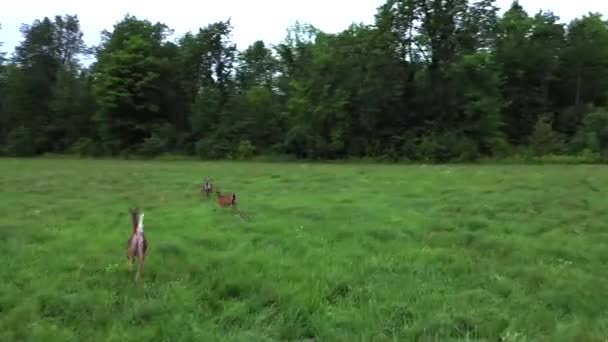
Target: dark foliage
(430, 80)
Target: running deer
(207, 187)
(229, 200)
(137, 244)
(225, 200)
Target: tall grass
(333, 252)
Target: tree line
(429, 80)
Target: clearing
(336, 252)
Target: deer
(225, 200)
(229, 200)
(137, 245)
(207, 187)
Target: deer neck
(140, 224)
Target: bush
(544, 139)
(20, 142)
(593, 134)
(278, 158)
(458, 148)
(246, 149)
(153, 146)
(584, 158)
(174, 157)
(85, 147)
(162, 140)
(211, 148)
(569, 119)
(498, 147)
(446, 148)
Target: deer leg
(131, 258)
(140, 264)
(130, 253)
(140, 260)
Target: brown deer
(207, 187)
(229, 200)
(137, 245)
(225, 200)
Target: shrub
(85, 147)
(211, 148)
(544, 139)
(153, 146)
(246, 149)
(447, 147)
(20, 142)
(593, 134)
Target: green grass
(336, 252)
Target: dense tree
(3, 123)
(2, 53)
(214, 113)
(133, 63)
(43, 63)
(258, 67)
(582, 77)
(433, 80)
(31, 82)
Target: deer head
(137, 219)
(134, 217)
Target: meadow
(330, 252)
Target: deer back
(225, 200)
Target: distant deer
(137, 244)
(229, 200)
(225, 200)
(207, 187)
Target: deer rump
(137, 241)
(134, 242)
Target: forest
(427, 81)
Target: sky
(267, 20)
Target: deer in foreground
(137, 244)
(207, 187)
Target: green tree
(528, 50)
(43, 65)
(593, 133)
(128, 83)
(544, 140)
(30, 84)
(73, 108)
(2, 53)
(3, 118)
(585, 61)
(582, 77)
(214, 117)
(450, 102)
(433, 80)
(257, 67)
(69, 42)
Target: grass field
(332, 252)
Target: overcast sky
(252, 20)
